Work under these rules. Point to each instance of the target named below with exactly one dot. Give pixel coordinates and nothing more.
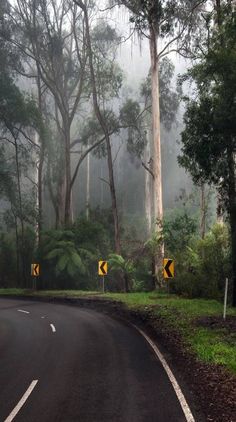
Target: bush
(202, 267)
(69, 257)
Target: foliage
(69, 257)
(169, 97)
(209, 137)
(124, 266)
(202, 266)
(178, 232)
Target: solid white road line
(21, 402)
(53, 328)
(21, 310)
(179, 394)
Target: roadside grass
(210, 345)
(45, 293)
(216, 346)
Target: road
(86, 367)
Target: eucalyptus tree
(51, 39)
(169, 104)
(95, 78)
(18, 116)
(209, 137)
(168, 26)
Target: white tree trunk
(37, 181)
(148, 189)
(101, 186)
(158, 205)
(88, 187)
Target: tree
(169, 104)
(209, 137)
(171, 22)
(51, 39)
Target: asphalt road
(88, 367)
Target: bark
(68, 207)
(105, 131)
(101, 187)
(88, 187)
(126, 283)
(40, 166)
(232, 215)
(17, 248)
(203, 212)
(148, 191)
(158, 205)
(22, 250)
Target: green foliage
(69, 257)
(154, 242)
(169, 97)
(202, 266)
(118, 263)
(65, 258)
(125, 267)
(209, 136)
(178, 232)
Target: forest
(118, 143)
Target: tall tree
(84, 6)
(209, 138)
(51, 38)
(167, 25)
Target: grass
(212, 346)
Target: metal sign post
(226, 297)
(102, 270)
(35, 271)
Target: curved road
(88, 368)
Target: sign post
(35, 271)
(102, 270)
(168, 271)
(226, 296)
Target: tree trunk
(101, 187)
(148, 190)
(219, 212)
(158, 206)
(105, 131)
(41, 162)
(22, 250)
(88, 187)
(126, 283)
(68, 187)
(232, 215)
(203, 212)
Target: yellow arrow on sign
(35, 270)
(102, 267)
(169, 268)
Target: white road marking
(42, 316)
(179, 394)
(21, 310)
(53, 328)
(21, 402)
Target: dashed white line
(21, 310)
(187, 412)
(53, 328)
(21, 402)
